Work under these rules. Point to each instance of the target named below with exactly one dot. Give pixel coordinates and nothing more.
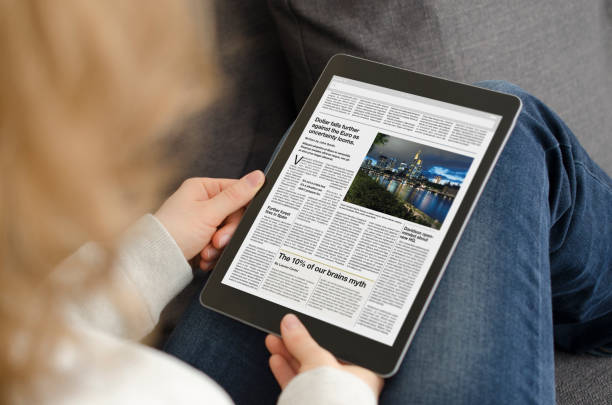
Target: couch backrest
(239, 131)
(561, 51)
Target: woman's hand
(297, 352)
(203, 213)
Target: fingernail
(223, 239)
(210, 253)
(254, 178)
(291, 322)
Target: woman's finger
(204, 265)
(281, 370)
(235, 216)
(232, 198)
(223, 235)
(210, 253)
(275, 345)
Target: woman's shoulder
(96, 368)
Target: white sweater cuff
(327, 386)
(150, 258)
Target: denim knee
(536, 120)
(531, 104)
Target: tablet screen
(358, 213)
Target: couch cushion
(559, 51)
(583, 379)
(239, 131)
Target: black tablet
(362, 207)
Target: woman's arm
(148, 271)
(151, 266)
(327, 386)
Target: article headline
(334, 131)
(299, 262)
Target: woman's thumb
(234, 197)
(301, 345)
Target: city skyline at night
(447, 167)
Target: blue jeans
(533, 269)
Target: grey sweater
(105, 364)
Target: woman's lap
(534, 254)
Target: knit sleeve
(327, 386)
(148, 271)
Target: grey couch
(272, 53)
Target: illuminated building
(416, 167)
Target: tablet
(362, 207)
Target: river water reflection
(434, 205)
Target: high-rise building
(416, 167)
(437, 179)
(382, 162)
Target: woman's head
(86, 90)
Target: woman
(87, 89)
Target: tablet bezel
(349, 346)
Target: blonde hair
(86, 90)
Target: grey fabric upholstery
(583, 379)
(560, 51)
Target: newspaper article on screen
(352, 224)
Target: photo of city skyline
(408, 180)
